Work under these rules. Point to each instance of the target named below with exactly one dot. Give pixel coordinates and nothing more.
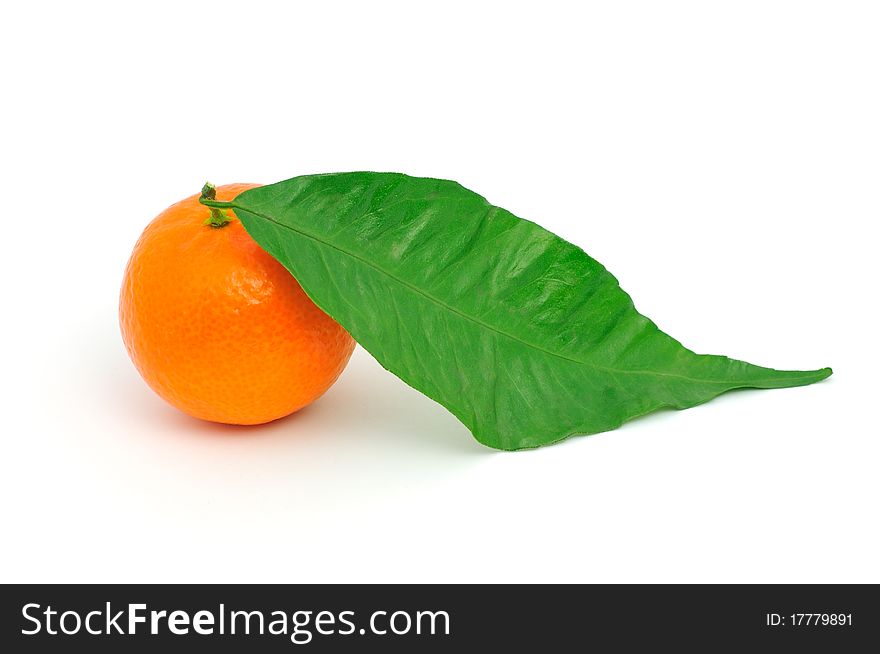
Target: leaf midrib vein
(437, 301)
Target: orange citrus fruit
(219, 328)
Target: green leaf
(520, 334)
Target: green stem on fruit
(218, 217)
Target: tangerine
(219, 328)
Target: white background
(720, 158)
